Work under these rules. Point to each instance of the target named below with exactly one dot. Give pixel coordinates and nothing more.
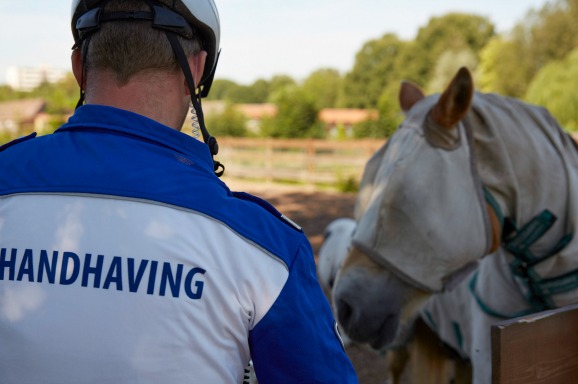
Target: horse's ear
(409, 94)
(455, 102)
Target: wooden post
(538, 348)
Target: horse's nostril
(344, 312)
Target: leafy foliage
(374, 68)
(279, 83)
(230, 122)
(510, 62)
(387, 60)
(554, 87)
(447, 65)
(452, 32)
(258, 92)
(296, 116)
(232, 92)
(554, 31)
(7, 136)
(323, 86)
(7, 93)
(223, 89)
(390, 116)
(61, 97)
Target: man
(123, 258)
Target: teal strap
(486, 308)
(559, 284)
(494, 204)
(518, 243)
(522, 239)
(522, 265)
(458, 334)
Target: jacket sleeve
(297, 341)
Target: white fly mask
(421, 211)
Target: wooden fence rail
(541, 348)
(309, 161)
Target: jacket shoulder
(17, 141)
(269, 208)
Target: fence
(539, 348)
(310, 162)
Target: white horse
(336, 242)
(466, 175)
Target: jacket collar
(112, 120)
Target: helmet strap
(84, 53)
(195, 100)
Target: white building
(28, 78)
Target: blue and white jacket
(123, 259)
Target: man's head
(128, 37)
(121, 40)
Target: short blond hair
(132, 47)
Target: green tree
(259, 91)
(409, 64)
(278, 84)
(323, 86)
(296, 116)
(451, 32)
(230, 122)
(222, 89)
(369, 129)
(389, 118)
(373, 70)
(390, 113)
(509, 63)
(61, 97)
(247, 94)
(503, 68)
(553, 31)
(7, 93)
(554, 87)
(448, 64)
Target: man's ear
(197, 65)
(77, 70)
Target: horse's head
(421, 216)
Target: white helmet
(201, 14)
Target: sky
(259, 38)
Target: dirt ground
(313, 211)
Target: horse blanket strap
(487, 309)
(518, 242)
(494, 204)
